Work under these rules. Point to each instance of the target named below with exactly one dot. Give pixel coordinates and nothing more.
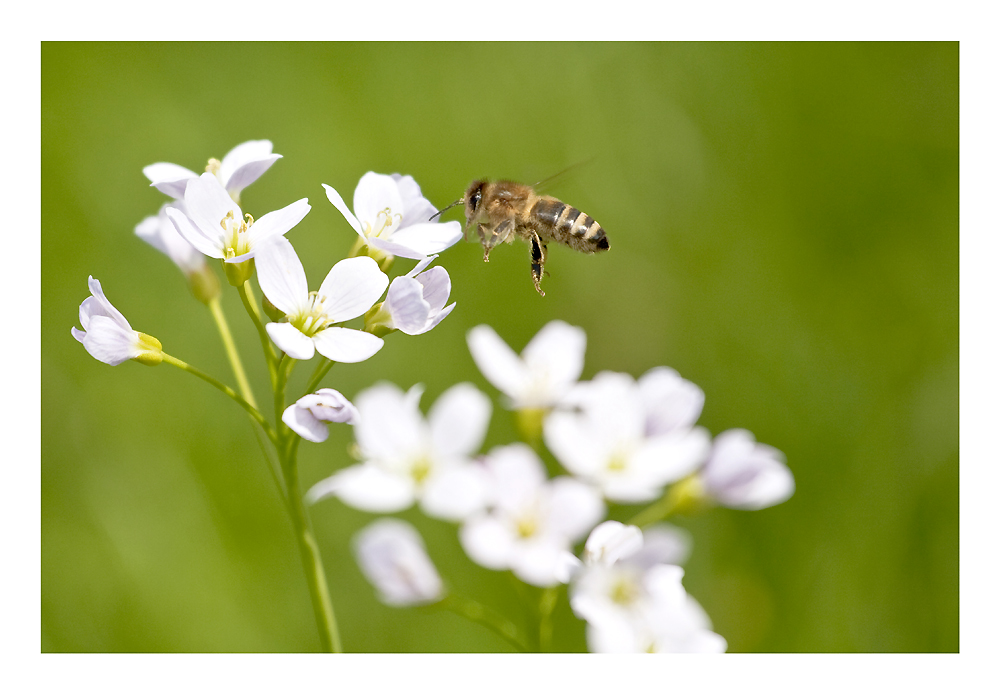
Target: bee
(501, 211)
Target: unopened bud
(204, 284)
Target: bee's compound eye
(474, 200)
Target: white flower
(214, 224)
(391, 214)
(631, 602)
(415, 303)
(392, 557)
(350, 289)
(311, 413)
(605, 441)
(741, 473)
(242, 166)
(159, 232)
(544, 373)
(407, 458)
(532, 521)
(107, 336)
(670, 402)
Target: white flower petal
(669, 457)
(291, 341)
(212, 246)
(456, 493)
(573, 444)
(375, 193)
(347, 346)
(302, 422)
(391, 427)
(207, 204)
(539, 563)
(392, 248)
(277, 223)
(557, 352)
(458, 421)
(366, 488)
(670, 401)
(109, 342)
(575, 508)
(497, 361)
(517, 476)
(428, 237)
(338, 202)
(105, 307)
(405, 303)
(437, 287)
(487, 542)
(439, 317)
(281, 276)
(392, 557)
(245, 163)
(612, 541)
(170, 179)
(663, 544)
(160, 233)
(416, 208)
(352, 287)
(329, 405)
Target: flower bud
(204, 284)
(378, 321)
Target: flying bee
(504, 210)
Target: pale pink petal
(437, 287)
(347, 346)
(352, 287)
(458, 421)
(302, 422)
(109, 342)
(612, 541)
(405, 303)
(670, 401)
(106, 308)
(291, 340)
(281, 276)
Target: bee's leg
(492, 237)
(538, 255)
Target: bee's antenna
(445, 209)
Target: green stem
(321, 370)
(250, 409)
(550, 596)
(326, 622)
(250, 304)
(234, 358)
(480, 614)
(656, 511)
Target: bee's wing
(546, 183)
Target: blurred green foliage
(784, 230)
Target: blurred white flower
(407, 458)
(310, 414)
(670, 402)
(415, 303)
(544, 373)
(392, 557)
(107, 336)
(159, 232)
(532, 521)
(243, 165)
(631, 602)
(349, 290)
(391, 215)
(605, 441)
(215, 225)
(741, 473)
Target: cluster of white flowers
(619, 439)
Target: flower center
(618, 462)
(384, 223)
(236, 236)
(313, 319)
(527, 525)
(420, 470)
(624, 591)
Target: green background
(784, 230)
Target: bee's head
(473, 196)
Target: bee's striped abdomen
(568, 225)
